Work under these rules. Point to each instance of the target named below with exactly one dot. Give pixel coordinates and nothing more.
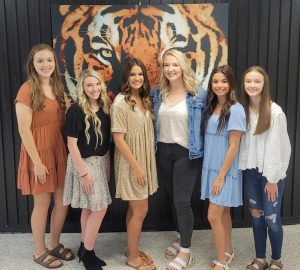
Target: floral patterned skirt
(74, 194)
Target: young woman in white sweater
(264, 157)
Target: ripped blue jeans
(268, 221)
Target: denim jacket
(195, 105)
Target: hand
(87, 184)
(40, 171)
(140, 176)
(272, 190)
(217, 186)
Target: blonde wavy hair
(38, 97)
(84, 103)
(188, 74)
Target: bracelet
(220, 178)
(84, 175)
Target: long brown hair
(212, 99)
(264, 118)
(38, 97)
(145, 89)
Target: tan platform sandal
(144, 256)
(143, 265)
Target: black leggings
(178, 174)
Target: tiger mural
(100, 37)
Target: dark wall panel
(265, 33)
(282, 88)
(274, 19)
(253, 37)
(3, 85)
(293, 112)
(7, 110)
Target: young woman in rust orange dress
(40, 109)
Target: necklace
(174, 99)
(169, 104)
(94, 108)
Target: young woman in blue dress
(225, 121)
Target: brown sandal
(276, 263)
(43, 261)
(260, 265)
(61, 252)
(144, 256)
(142, 265)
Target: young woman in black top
(87, 128)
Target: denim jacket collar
(195, 106)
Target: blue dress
(216, 145)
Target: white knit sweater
(270, 151)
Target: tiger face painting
(100, 37)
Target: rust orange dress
(46, 128)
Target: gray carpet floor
(16, 249)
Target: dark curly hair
(145, 89)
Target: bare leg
(39, 220)
(92, 226)
(215, 217)
(146, 257)
(58, 217)
(227, 222)
(38, 224)
(83, 219)
(134, 227)
(128, 214)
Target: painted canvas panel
(100, 36)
